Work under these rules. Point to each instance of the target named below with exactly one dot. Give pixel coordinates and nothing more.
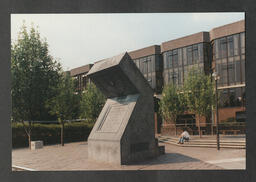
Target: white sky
(80, 39)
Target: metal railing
(227, 128)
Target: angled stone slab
(124, 130)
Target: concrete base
(36, 144)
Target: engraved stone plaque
(113, 118)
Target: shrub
(50, 133)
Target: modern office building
(228, 45)
(149, 61)
(80, 75)
(180, 55)
(220, 50)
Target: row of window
(228, 54)
(81, 81)
(184, 56)
(177, 76)
(149, 64)
(233, 45)
(231, 71)
(232, 97)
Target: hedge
(50, 133)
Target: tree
(199, 93)
(92, 103)
(65, 103)
(34, 75)
(172, 104)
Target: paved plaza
(73, 156)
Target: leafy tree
(34, 76)
(65, 103)
(172, 104)
(92, 103)
(199, 93)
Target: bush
(50, 133)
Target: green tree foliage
(65, 104)
(199, 93)
(34, 75)
(172, 104)
(92, 103)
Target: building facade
(228, 47)
(80, 75)
(181, 55)
(220, 50)
(150, 63)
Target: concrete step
(204, 140)
(207, 146)
(204, 143)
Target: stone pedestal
(36, 145)
(124, 131)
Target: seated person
(184, 137)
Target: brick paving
(73, 156)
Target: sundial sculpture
(124, 131)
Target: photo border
(111, 6)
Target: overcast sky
(80, 39)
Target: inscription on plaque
(113, 118)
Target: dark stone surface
(124, 130)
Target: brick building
(222, 50)
(80, 75)
(228, 60)
(149, 61)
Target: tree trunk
(175, 129)
(29, 140)
(62, 133)
(199, 127)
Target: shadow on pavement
(168, 158)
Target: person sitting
(184, 137)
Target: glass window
(236, 44)
(170, 60)
(175, 58)
(166, 60)
(242, 42)
(224, 73)
(175, 76)
(180, 77)
(144, 65)
(189, 55)
(165, 75)
(243, 70)
(153, 63)
(184, 50)
(224, 100)
(195, 54)
(232, 97)
(238, 96)
(180, 57)
(231, 71)
(149, 64)
(217, 49)
(170, 77)
(185, 72)
(200, 53)
(230, 46)
(223, 47)
(238, 72)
